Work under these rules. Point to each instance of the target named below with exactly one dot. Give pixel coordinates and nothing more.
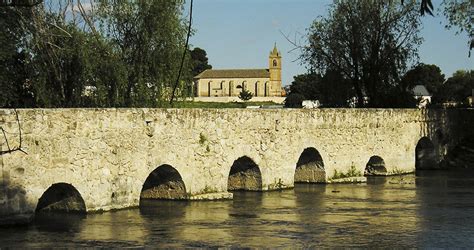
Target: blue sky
(241, 33)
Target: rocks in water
(249, 179)
(63, 198)
(66, 205)
(212, 196)
(171, 190)
(312, 172)
(373, 169)
(244, 175)
(375, 166)
(357, 179)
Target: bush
(294, 101)
(245, 95)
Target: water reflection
(446, 208)
(431, 209)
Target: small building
(422, 95)
(230, 82)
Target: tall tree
(460, 15)
(370, 43)
(332, 90)
(150, 37)
(457, 88)
(428, 75)
(199, 61)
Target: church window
(275, 63)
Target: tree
(14, 85)
(150, 37)
(294, 100)
(245, 95)
(456, 89)
(332, 90)
(306, 85)
(199, 61)
(428, 75)
(369, 42)
(460, 14)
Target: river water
(431, 209)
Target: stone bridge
(86, 160)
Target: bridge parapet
(107, 155)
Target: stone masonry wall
(107, 154)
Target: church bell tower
(275, 72)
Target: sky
(241, 33)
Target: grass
(352, 172)
(218, 105)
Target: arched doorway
(310, 167)
(63, 198)
(244, 175)
(231, 88)
(375, 166)
(425, 156)
(164, 182)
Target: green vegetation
(428, 75)
(352, 172)
(245, 95)
(368, 44)
(121, 54)
(294, 100)
(456, 89)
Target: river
(430, 209)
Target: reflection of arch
(425, 157)
(375, 166)
(164, 182)
(61, 197)
(244, 175)
(310, 167)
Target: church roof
(234, 73)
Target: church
(230, 82)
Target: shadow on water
(163, 208)
(59, 222)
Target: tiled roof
(234, 73)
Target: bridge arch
(425, 155)
(61, 197)
(375, 166)
(244, 174)
(165, 182)
(310, 167)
